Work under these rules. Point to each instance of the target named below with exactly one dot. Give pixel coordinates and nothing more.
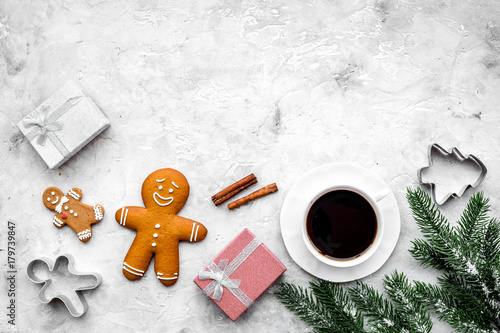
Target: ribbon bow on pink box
(220, 280)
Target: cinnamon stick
(234, 189)
(255, 195)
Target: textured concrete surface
(220, 89)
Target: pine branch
(426, 213)
(465, 297)
(490, 268)
(382, 316)
(315, 313)
(474, 219)
(448, 249)
(422, 251)
(469, 257)
(447, 309)
(332, 297)
(435, 228)
(463, 260)
(491, 246)
(407, 302)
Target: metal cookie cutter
(64, 265)
(453, 175)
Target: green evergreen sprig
(467, 295)
(407, 300)
(328, 307)
(382, 314)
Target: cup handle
(382, 194)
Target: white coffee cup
(372, 198)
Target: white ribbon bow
(45, 124)
(220, 275)
(42, 125)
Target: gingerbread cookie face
(52, 196)
(159, 228)
(70, 211)
(165, 190)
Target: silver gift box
(63, 124)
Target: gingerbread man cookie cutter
(159, 228)
(76, 304)
(441, 190)
(70, 211)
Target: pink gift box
(251, 269)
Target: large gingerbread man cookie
(70, 211)
(159, 228)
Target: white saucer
(298, 200)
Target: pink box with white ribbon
(239, 274)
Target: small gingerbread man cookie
(159, 228)
(70, 211)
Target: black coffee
(341, 224)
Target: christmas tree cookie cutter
(450, 174)
(41, 271)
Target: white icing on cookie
(99, 214)
(160, 187)
(57, 222)
(175, 185)
(74, 194)
(128, 270)
(192, 232)
(196, 233)
(167, 200)
(132, 270)
(58, 208)
(164, 278)
(135, 269)
(160, 180)
(123, 218)
(87, 233)
(160, 276)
